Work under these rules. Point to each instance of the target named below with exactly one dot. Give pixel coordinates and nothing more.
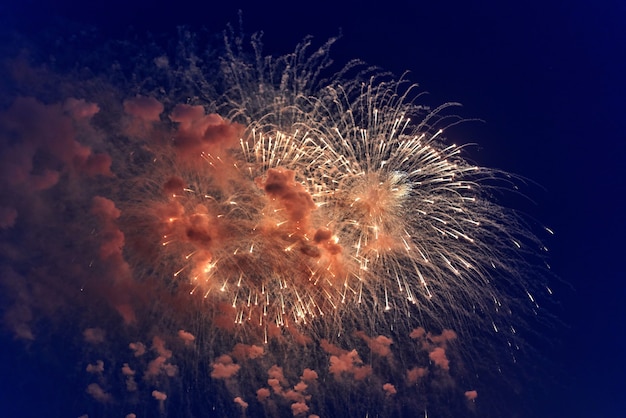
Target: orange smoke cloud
(438, 356)
(414, 374)
(98, 393)
(127, 371)
(187, 337)
(224, 368)
(112, 243)
(158, 344)
(445, 336)
(145, 108)
(348, 362)
(299, 408)
(242, 351)
(79, 108)
(94, 335)
(471, 395)
(281, 185)
(198, 132)
(138, 348)
(131, 385)
(47, 130)
(309, 375)
(95, 368)
(435, 344)
(389, 389)
(417, 333)
(262, 394)
(379, 345)
(144, 115)
(241, 402)
(160, 363)
(159, 396)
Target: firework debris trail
(279, 247)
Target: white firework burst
(386, 215)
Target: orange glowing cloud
(471, 395)
(224, 368)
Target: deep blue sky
(548, 79)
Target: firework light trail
(277, 243)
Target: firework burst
(314, 217)
(336, 203)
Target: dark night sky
(548, 79)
